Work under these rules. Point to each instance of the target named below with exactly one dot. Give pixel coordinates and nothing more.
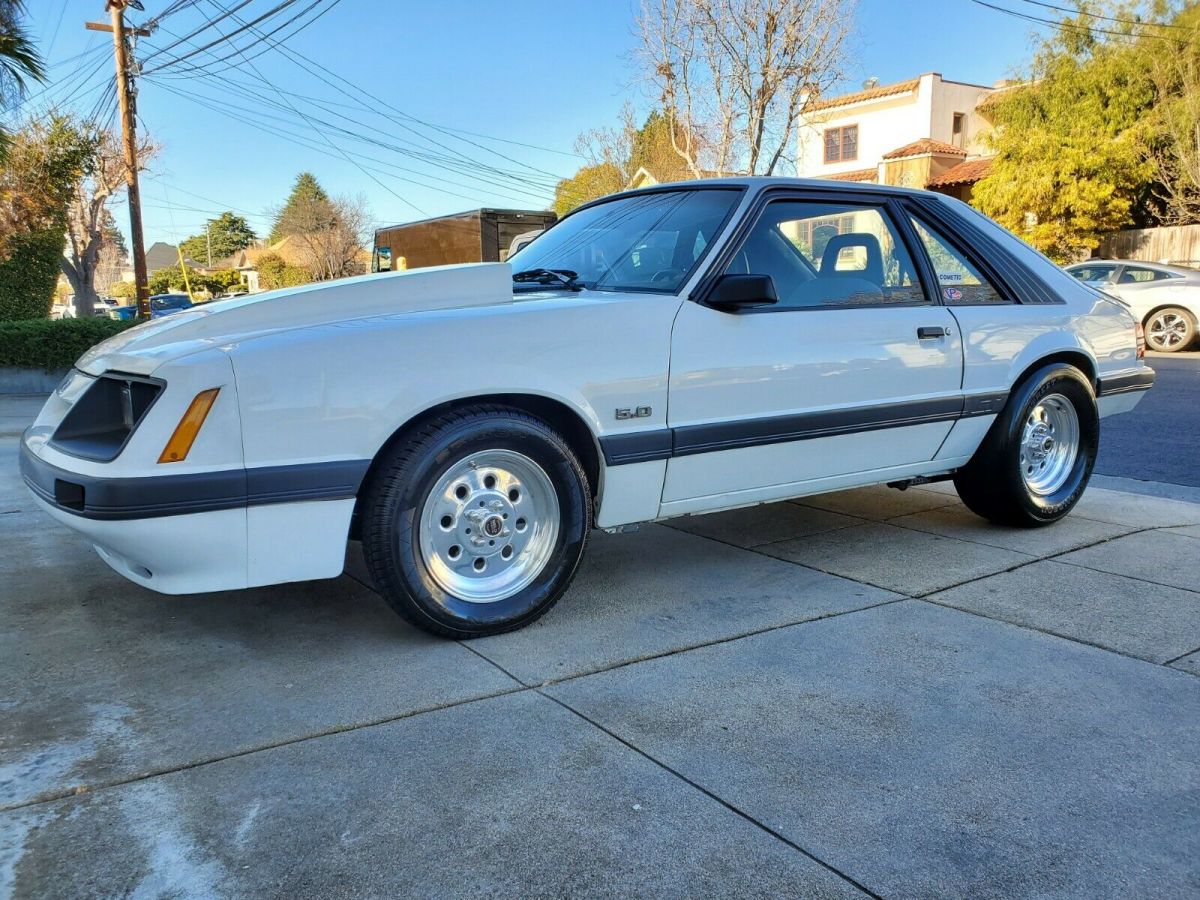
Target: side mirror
(734, 292)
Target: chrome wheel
(1168, 330)
(489, 526)
(1049, 444)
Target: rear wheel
(1036, 460)
(1170, 330)
(476, 522)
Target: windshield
(170, 301)
(641, 242)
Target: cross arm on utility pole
(104, 26)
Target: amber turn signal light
(189, 426)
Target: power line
(296, 138)
(1092, 15)
(191, 34)
(1071, 28)
(327, 140)
(224, 37)
(258, 113)
(62, 10)
(291, 55)
(191, 71)
(364, 129)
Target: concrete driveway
(870, 692)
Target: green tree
(1070, 144)
(615, 156)
(224, 236)
(46, 161)
(306, 192)
(589, 183)
(19, 61)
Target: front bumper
(206, 531)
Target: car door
(856, 369)
(1142, 288)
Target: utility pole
(126, 96)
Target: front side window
(828, 255)
(640, 242)
(958, 280)
(1095, 274)
(841, 144)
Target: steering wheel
(665, 275)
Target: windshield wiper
(557, 277)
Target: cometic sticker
(952, 294)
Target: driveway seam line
(81, 790)
(718, 642)
(925, 596)
(715, 797)
(1043, 631)
(790, 562)
(1171, 662)
(1053, 557)
(1088, 568)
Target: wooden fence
(1178, 244)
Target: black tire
(1173, 323)
(992, 484)
(402, 482)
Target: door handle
(926, 332)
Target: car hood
(143, 348)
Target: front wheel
(475, 523)
(1170, 330)
(1036, 459)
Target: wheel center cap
(493, 526)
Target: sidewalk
(866, 692)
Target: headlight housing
(100, 422)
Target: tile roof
(964, 173)
(883, 90)
(925, 145)
(871, 174)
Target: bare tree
(330, 233)
(90, 226)
(732, 75)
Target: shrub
(52, 344)
(28, 276)
(274, 273)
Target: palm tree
(19, 61)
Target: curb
(14, 380)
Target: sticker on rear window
(952, 293)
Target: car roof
(763, 182)
(1141, 264)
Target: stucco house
(923, 132)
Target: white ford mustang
(677, 350)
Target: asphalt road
(1160, 440)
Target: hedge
(53, 344)
(28, 276)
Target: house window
(841, 144)
(958, 132)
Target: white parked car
(677, 350)
(1165, 299)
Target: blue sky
(533, 72)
